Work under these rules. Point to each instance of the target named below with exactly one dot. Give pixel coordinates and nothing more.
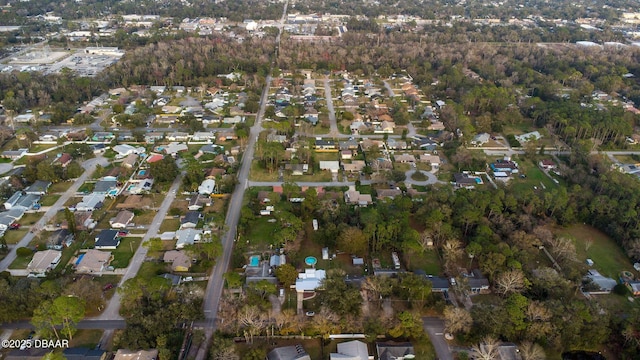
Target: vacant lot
(593, 244)
(123, 254)
(49, 200)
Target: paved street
(90, 167)
(435, 328)
(332, 112)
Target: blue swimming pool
(254, 260)
(142, 172)
(311, 260)
(79, 259)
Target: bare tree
(512, 281)
(452, 250)
(487, 349)
(563, 249)
(425, 241)
(253, 321)
(457, 320)
(532, 351)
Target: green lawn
(21, 262)
(169, 225)
(30, 218)
(61, 186)
(123, 254)
(534, 177)
(259, 174)
(149, 270)
(49, 200)
(608, 257)
(427, 261)
(14, 236)
(86, 187)
(261, 231)
(318, 176)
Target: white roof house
(332, 166)
(174, 148)
(44, 261)
(352, 350)
(187, 237)
(124, 150)
(534, 135)
(207, 187)
(90, 202)
(310, 279)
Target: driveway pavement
(435, 328)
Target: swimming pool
(79, 259)
(142, 172)
(254, 260)
(310, 260)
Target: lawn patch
(427, 261)
(608, 257)
(123, 254)
(21, 262)
(169, 225)
(49, 200)
(534, 178)
(261, 231)
(61, 186)
(14, 236)
(30, 218)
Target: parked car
(107, 287)
(14, 226)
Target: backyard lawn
(123, 254)
(534, 178)
(608, 257)
(169, 225)
(427, 261)
(261, 231)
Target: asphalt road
(332, 113)
(435, 328)
(90, 167)
(112, 310)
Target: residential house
(388, 193)
(395, 351)
(310, 280)
(197, 202)
(77, 135)
(480, 139)
(187, 237)
(135, 202)
(9, 217)
(190, 220)
(604, 284)
(385, 127)
(92, 261)
(123, 354)
(123, 150)
(153, 157)
(141, 187)
(478, 284)
(297, 169)
(351, 350)
(60, 239)
(152, 137)
(44, 261)
(39, 187)
(14, 154)
(178, 259)
(107, 240)
(405, 158)
(333, 166)
(424, 143)
(354, 197)
(63, 159)
(91, 202)
(98, 148)
(394, 144)
(207, 187)
(130, 161)
(524, 138)
(293, 352)
(311, 115)
(211, 149)
(226, 134)
(346, 154)
(464, 180)
(212, 173)
(355, 166)
(178, 136)
(547, 164)
(174, 148)
(350, 144)
(439, 284)
(106, 187)
(203, 136)
(358, 126)
(322, 145)
(103, 136)
(433, 160)
(121, 220)
(20, 200)
(506, 166)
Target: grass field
(169, 225)
(123, 254)
(608, 257)
(14, 236)
(319, 176)
(534, 177)
(262, 231)
(49, 200)
(427, 261)
(21, 262)
(61, 186)
(259, 174)
(30, 218)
